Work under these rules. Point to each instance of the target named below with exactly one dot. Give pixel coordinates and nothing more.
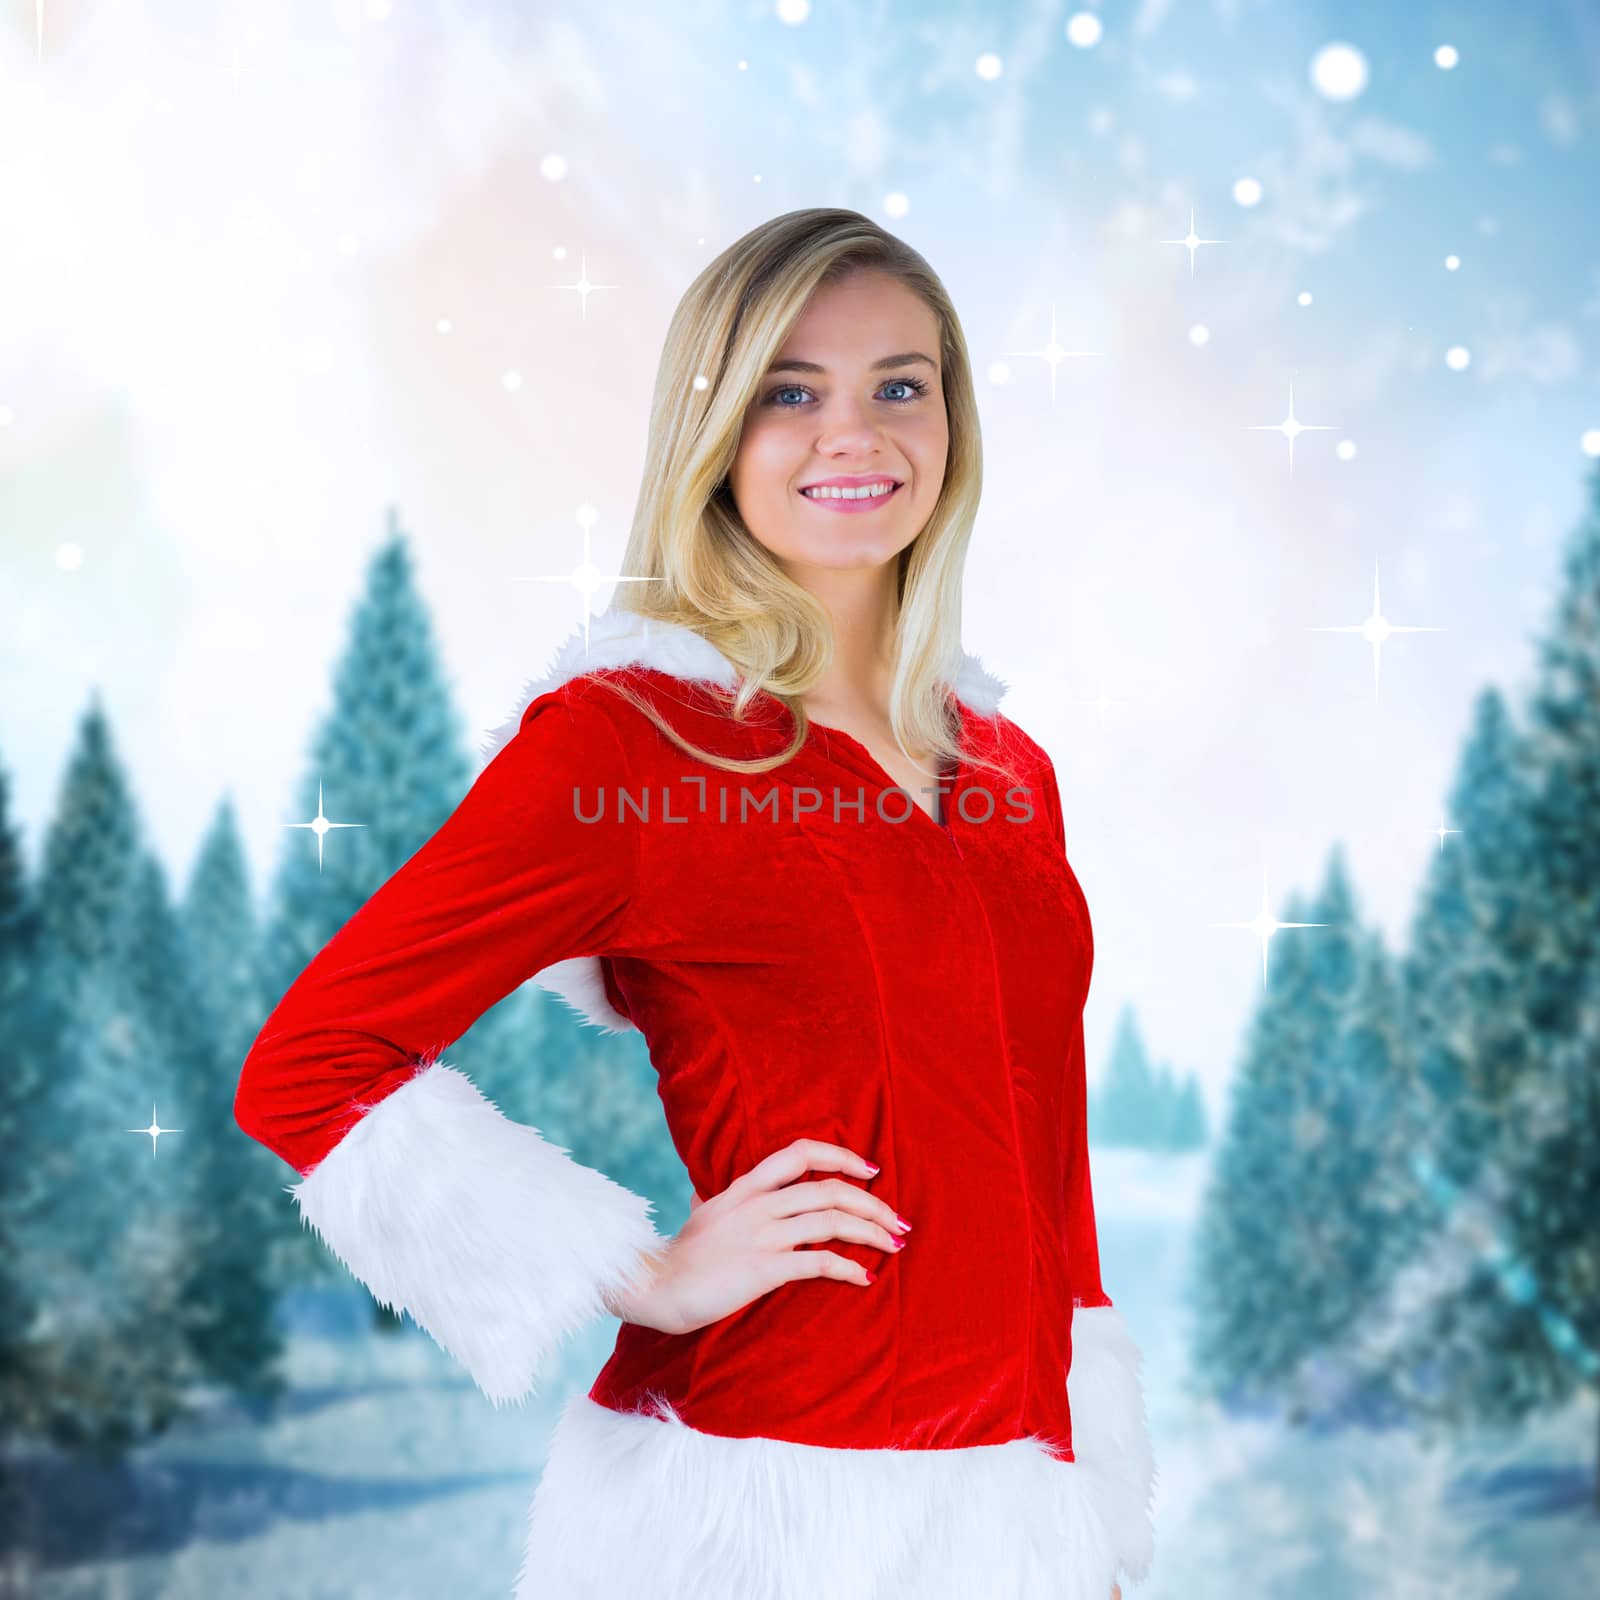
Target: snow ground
(387, 1475)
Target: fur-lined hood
(620, 638)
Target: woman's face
(833, 405)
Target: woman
(771, 817)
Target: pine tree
(1246, 1262)
(91, 847)
(219, 923)
(33, 1026)
(1465, 980)
(219, 1291)
(238, 1181)
(108, 1372)
(1356, 1126)
(1346, 1100)
(1130, 1105)
(1499, 1315)
(163, 1223)
(1547, 1336)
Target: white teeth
(866, 492)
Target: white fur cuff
(496, 1242)
(1111, 1433)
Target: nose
(845, 425)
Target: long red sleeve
(497, 1242)
(512, 882)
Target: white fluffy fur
(1111, 1431)
(498, 1243)
(640, 1503)
(618, 638)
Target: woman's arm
(498, 1243)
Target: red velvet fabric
(912, 990)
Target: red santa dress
(807, 953)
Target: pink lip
(851, 483)
(851, 507)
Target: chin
(844, 554)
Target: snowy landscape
(389, 1477)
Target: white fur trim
(635, 1503)
(579, 982)
(498, 1243)
(1111, 1432)
(977, 687)
(620, 638)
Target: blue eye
(916, 385)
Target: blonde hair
(710, 574)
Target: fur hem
(620, 638)
(1111, 1431)
(639, 1503)
(496, 1242)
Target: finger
(793, 1264)
(794, 1160)
(832, 1223)
(840, 1192)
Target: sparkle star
(1191, 239)
(155, 1130)
(1264, 925)
(1291, 427)
(584, 287)
(1054, 355)
(1100, 702)
(1441, 830)
(319, 825)
(586, 577)
(1377, 629)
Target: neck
(862, 609)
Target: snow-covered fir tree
(1245, 1262)
(1465, 979)
(1546, 1339)
(33, 1025)
(223, 939)
(1497, 1313)
(221, 1294)
(114, 1358)
(1140, 1106)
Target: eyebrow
(877, 366)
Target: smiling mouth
(836, 502)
